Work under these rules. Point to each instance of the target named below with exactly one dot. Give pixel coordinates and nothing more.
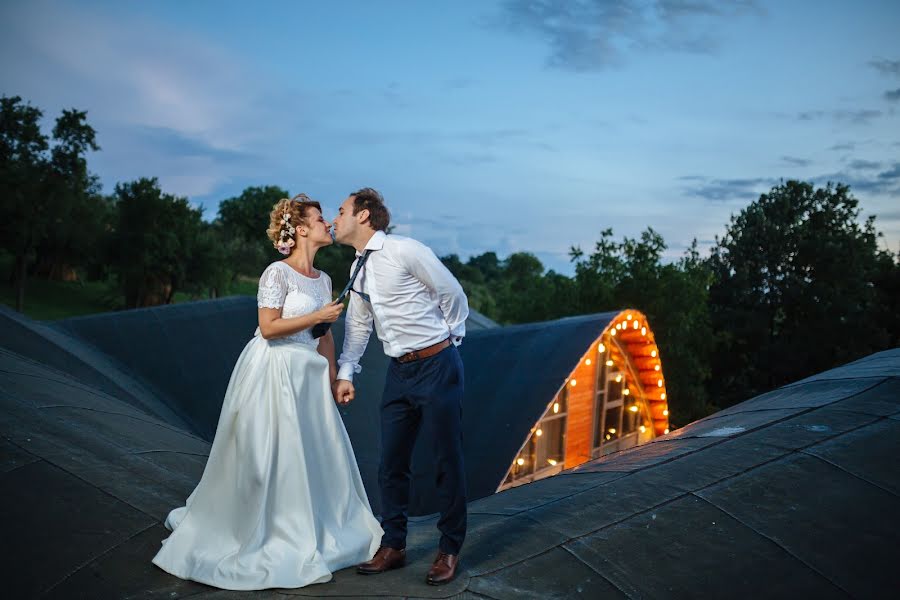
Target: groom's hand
(344, 391)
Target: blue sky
(505, 126)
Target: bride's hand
(330, 312)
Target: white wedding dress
(281, 503)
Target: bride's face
(319, 230)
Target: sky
(507, 126)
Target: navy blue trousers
(423, 398)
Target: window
(545, 451)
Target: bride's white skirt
(281, 502)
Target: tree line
(795, 285)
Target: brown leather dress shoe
(384, 560)
(443, 570)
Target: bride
(281, 503)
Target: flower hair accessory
(286, 236)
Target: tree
(80, 216)
(159, 245)
(799, 287)
(245, 219)
(674, 298)
(24, 211)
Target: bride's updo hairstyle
(286, 216)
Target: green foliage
(243, 222)
(160, 245)
(23, 167)
(800, 286)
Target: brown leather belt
(424, 352)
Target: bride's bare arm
(273, 326)
(326, 349)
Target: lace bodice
(280, 286)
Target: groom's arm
(425, 266)
(357, 329)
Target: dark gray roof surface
(183, 354)
(793, 493)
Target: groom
(419, 311)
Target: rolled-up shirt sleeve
(357, 329)
(425, 266)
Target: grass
(51, 300)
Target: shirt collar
(375, 243)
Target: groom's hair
(369, 199)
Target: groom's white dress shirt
(415, 302)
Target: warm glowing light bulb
(572, 383)
(552, 462)
(633, 408)
(608, 437)
(626, 391)
(618, 326)
(662, 396)
(601, 348)
(612, 429)
(587, 361)
(667, 430)
(520, 462)
(636, 324)
(628, 317)
(618, 378)
(666, 413)
(609, 363)
(643, 331)
(659, 383)
(555, 407)
(656, 368)
(643, 429)
(653, 353)
(612, 332)
(539, 432)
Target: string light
(667, 430)
(608, 437)
(612, 332)
(520, 462)
(636, 324)
(643, 331)
(552, 462)
(539, 432)
(572, 383)
(609, 363)
(612, 429)
(659, 383)
(626, 391)
(656, 368)
(653, 353)
(662, 396)
(618, 378)
(643, 429)
(633, 408)
(555, 407)
(601, 349)
(587, 361)
(618, 326)
(666, 413)
(628, 317)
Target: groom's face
(346, 224)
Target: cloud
(854, 117)
(843, 146)
(598, 34)
(886, 67)
(724, 190)
(796, 162)
(182, 107)
(864, 164)
(892, 95)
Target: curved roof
(793, 493)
